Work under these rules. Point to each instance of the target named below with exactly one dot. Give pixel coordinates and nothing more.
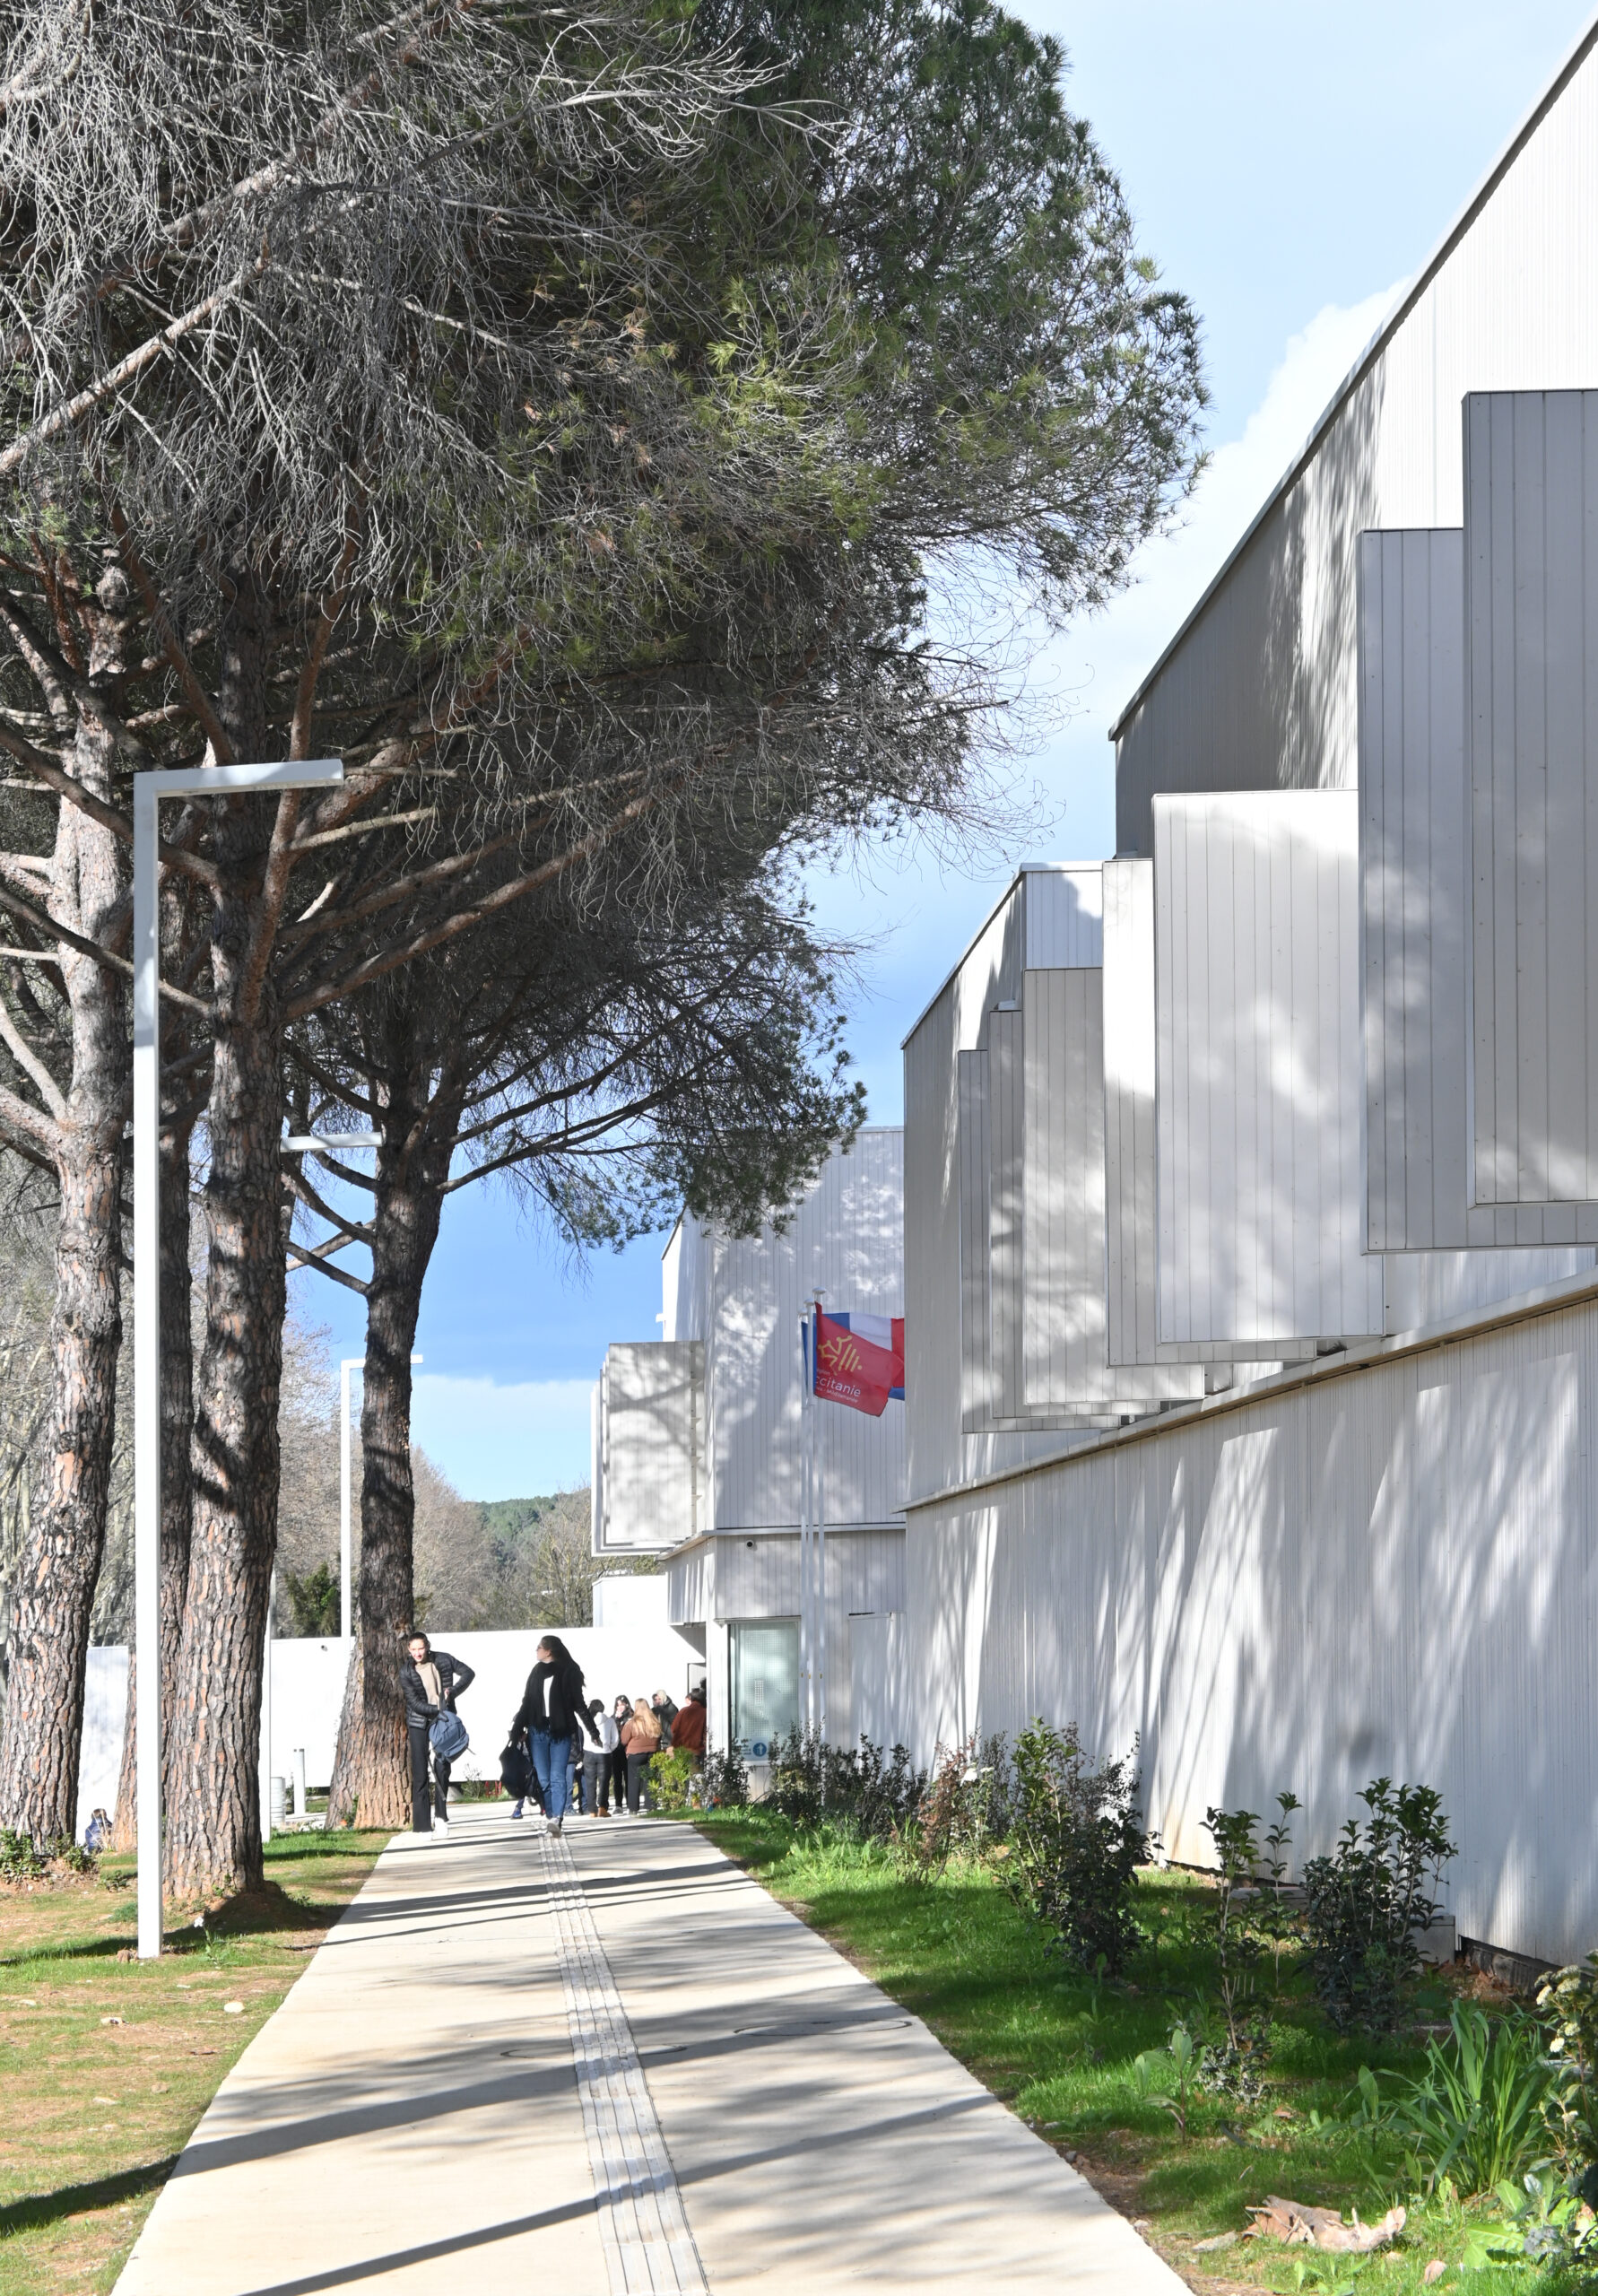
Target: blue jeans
(551, 1761)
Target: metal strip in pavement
(642, 2222)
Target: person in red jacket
(689, 1729)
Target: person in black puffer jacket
(432, 1681)
(552, 1708)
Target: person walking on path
(688, 1731)
(640, 1738)
(553, 1706)
(432, 1681)
(597, 1761)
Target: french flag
(858, 1360)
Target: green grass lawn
(1060, 2048)
(106, 2062)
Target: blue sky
(1289, 167)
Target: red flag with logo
(859, 1360)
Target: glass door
(765, 1669)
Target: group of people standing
(547, 1756)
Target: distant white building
(698, 1454)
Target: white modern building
(1251, 1178)
(698, 1449)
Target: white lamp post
(346, 1545)
(148, 790)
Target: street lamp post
(148, 790)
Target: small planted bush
(670, 1775)
(862, 1790)
(1077, 1838)
(723, 1780)
(1569, 2001)
(963, 1809)
(1365, 1902)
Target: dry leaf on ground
(1298, 2225)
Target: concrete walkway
(599, 2065)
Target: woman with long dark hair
(552, 1707)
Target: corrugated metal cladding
(1414, 881)
(1531, 514)
(939, 1053)
(1391, 1572)
(651, 1401)
(743, 1296)
(1259, 691)
(1261, 1191)
(1131, 1322)
(1065, 1359)
(1064, 915)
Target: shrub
(864, 1792)
(961, 1807)
(19, 1860)
(1365, 1902)
(1568, 1999)
(723, 1780)
(1477, 2114)
(669, 1778)
(1077, 1840)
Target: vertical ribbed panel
(1531, 549)
(1066, 1360)
(1261, 1191)
(846, 1239)
(1132, 1325)
(1415, 908)
(976, 1389)
(1258, 691)
(1065, 915)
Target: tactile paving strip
(648, 2245)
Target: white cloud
(510, 1441)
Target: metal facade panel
(941, 1448)
(993, 1279)
(1063, 1303)
(1414, 912)
(1132, 1321)
(1065, 915)
(651, 1441)
(1531, 555)
(1260, 1190)
(1393, 1572)
(846, 1239)
(1259, 689)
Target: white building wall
(1258, 690)
(1260, 1190)
(651, 1441)
(1388, 1570)
(846, 1239)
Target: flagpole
(806, 1404)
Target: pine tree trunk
(176, 1491)
(59, 1564)
(214, 1827)
(370, 1780)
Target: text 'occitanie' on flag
(859, 1360)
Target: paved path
(603, 2065)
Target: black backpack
(516, 1772)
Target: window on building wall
(764, 1672)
